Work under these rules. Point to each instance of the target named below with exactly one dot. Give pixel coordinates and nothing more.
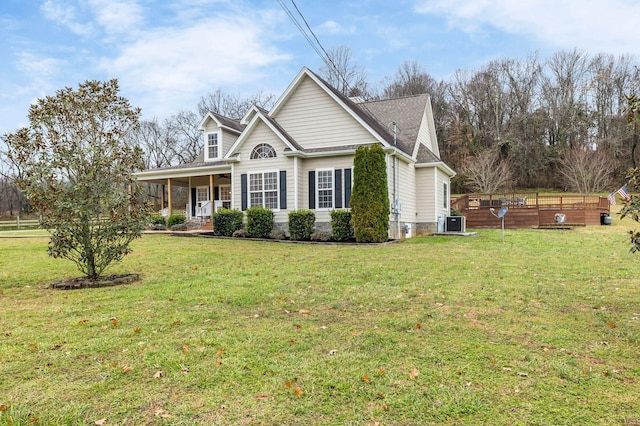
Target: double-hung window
(213, 146)
(324, 189)
(263, 190)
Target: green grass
(543, 329)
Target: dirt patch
(104, 281)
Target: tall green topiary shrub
(226, 222)
(370, 196)
(302, 224)
(259, 222)
(341, 228)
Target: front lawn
(543, 329)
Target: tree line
(560, 122)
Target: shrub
(277, 234)
(370, 197)
(321, 236)
(179, 227)
(226, 222)
(240, 233)
(176, 219)
(259, 222)
(157, 219)
(158, 227)
(301, 224)
(341, 228)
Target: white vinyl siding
(315, 164)
(263, 134)
(426, 195)
(331, 124)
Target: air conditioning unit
(456, 224)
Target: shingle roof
(406, 112)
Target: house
(299, 155)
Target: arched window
(263, 150)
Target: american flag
(612, 198)
(623, 192)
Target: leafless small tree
(486, 173)
(586, 171)
(342, 73)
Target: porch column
(169, 196)
(161, 197)
(211, 194)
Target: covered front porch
(206, 190)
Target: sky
(166, 54)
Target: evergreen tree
(370, 197)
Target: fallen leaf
(288, 384)
(382, 371)
(298, 391)
(612, 324)
(521, 374)
(157, 375)
(221, 351)
(114, 322)
(137, 330)
(414, 373)
(261, 397)
(100, 422)
(185, 349)
(418, 326)
(84, 321)
(304, 312)
(33, 346)
(126, 368)
(332, 352)
(3, 408)
(366, 378)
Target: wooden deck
(530, 210)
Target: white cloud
(167, 66)
(118, 16)
(64, 14)
(592, 25)
(333, 28)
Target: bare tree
(586, 171)
(183, 127)
(341, 72)
(486, 173)
(233, 106)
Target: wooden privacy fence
(529, 209)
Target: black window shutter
(347, 187)
(243, 191)
(337, 184)
(312, 190)
(283, 189)
(216, 193)
(193, 202)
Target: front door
(203, 202)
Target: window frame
(331, 188)
(262, 146)
(274, 193)
(217, 145)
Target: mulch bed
(104, 281)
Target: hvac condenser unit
(456, 224)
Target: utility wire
(315, 43)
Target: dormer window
(213, 146)
(263, 150)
